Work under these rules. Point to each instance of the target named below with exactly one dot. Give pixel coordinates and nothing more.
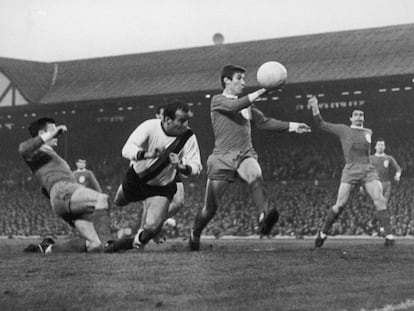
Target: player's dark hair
(170, 109)
(228, 71)
(39, 124)
(380, 139)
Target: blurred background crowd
(301, 176)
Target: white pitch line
(401, 306)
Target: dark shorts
(136, 190)
(223, 166)
(358, 174)
(60, 199)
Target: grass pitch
(275, 274)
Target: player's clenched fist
(313, 102)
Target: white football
(271, 75)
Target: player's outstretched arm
(265, 123)
(313, 104)
(397, 169)
(28, 147)
(222, 103)
(337, 129)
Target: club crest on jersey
(368, 137)
(386, 163)
(82, 179)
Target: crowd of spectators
(302, 180)
(301, 175)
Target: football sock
(201, 221)
(124, 243)
(259, 196)
(384, 221)
(330, 219)
(102, 223)
(145, 236)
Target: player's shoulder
(218, 98)
(367, 130)
(151, 123)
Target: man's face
(178, 125)
(357, 118)
(81, 164)
(49, 128)
(380, 147)
(236, 85)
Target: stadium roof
(365, 53)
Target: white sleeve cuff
(398, 174)
(130, 152)
(253, 96)
(293, 126)
(46, 136)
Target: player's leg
(386, 191)
(214, 192)
(87, 231)
(144, 214)
(178, 201)
(374, 189)
(88, 243)
(344, 192)
(83, 198)
(157, 211)
(249, 171)
(48, 245)
(76, 205)
(175, 206)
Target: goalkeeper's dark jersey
(48, 167)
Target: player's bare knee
(256, 182)
(337, 208)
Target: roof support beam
(3, 95)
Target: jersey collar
(230, 96)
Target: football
(271, 75)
